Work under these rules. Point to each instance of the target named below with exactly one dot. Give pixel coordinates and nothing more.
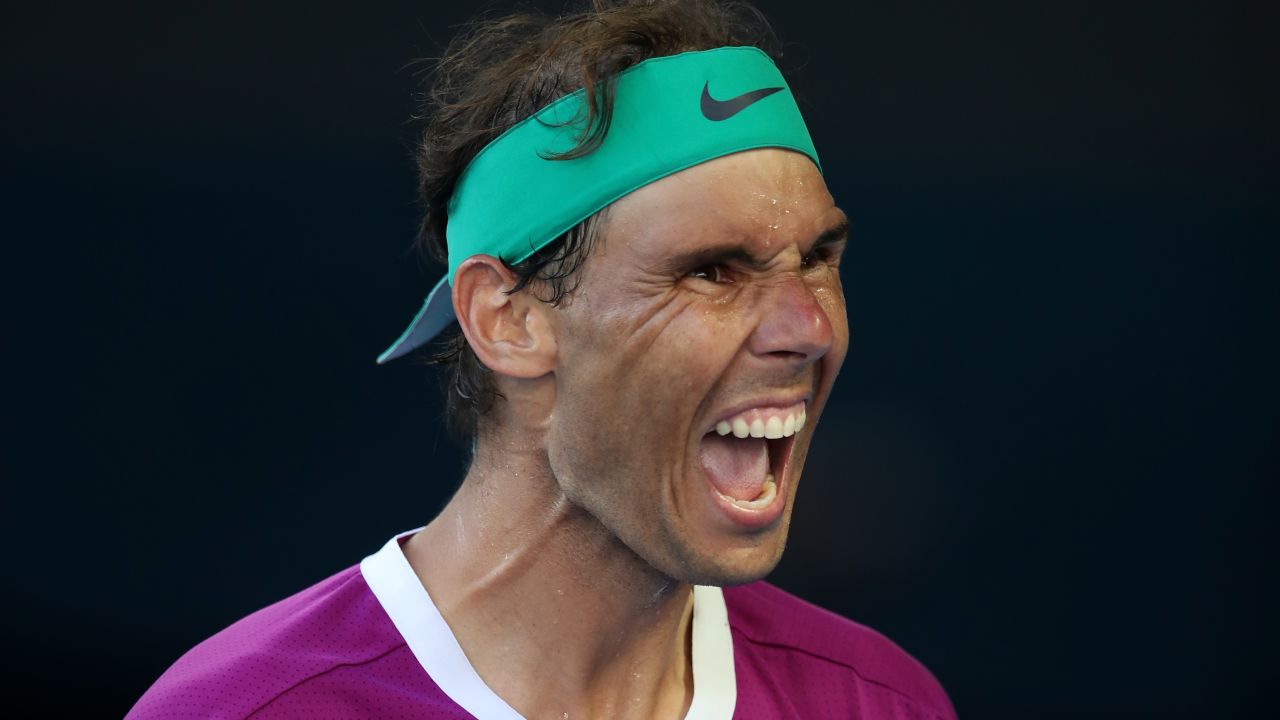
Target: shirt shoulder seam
(319, 674)
(848, 666)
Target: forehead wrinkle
(734, 242)
(724, 218)
(746, 251)
(760, 233)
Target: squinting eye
(713, 273)
(818, 256)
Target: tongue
(735, 466)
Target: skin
(585, 517)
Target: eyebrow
(735, 252)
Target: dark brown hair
(497, 72)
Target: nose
(793, 324)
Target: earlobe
(507, 332)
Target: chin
(733, 567)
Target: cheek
(634, 384)
(830, 297)
(828, 291)
(833, 304)
(609, 394)
(656, 351)
(691, 358)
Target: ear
(510, 334)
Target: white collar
(425, 631)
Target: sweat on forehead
(745, 206)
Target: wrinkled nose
(793, 325)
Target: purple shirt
(368, 642)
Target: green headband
(669, 113)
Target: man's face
(711, 300)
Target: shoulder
(768, 622)
(336, 623)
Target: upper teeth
(767, 423)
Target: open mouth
(745, 456)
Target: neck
(529, 581)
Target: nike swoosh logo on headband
(713, 109)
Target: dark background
(1047, 471)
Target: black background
(1048, 468)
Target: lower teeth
(767, 493)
